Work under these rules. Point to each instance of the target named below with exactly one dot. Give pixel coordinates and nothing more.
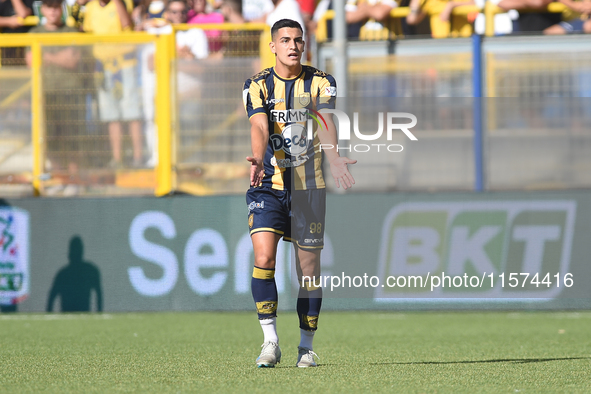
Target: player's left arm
(328, 137)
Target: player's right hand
(257, 171)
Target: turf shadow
(500, 360)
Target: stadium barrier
(77, 158)
(195, 253)
(533, 138)
(440, 29)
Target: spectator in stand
(118, 92)
(200, 14)
(307, 8)
(256, 10)
(191, 45)
(373, 14)
(148, 13)
(353, 27)
(548, 22)
(11, 11)
(446, 24)
(64, 100)
(232, 11)
(285, 9)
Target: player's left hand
(340, 172)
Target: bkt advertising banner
(382, 251)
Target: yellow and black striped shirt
(291, 105)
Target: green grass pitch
(360, 352)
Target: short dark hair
(280, 24)
(52, 3)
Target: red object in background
(307, 6)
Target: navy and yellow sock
(264, 292)
(308, 306)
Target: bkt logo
(475, 238)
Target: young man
(287, 187)
(118, 91)
(64, 97)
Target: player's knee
(265, 262)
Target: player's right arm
(253, 98)
(259, 135)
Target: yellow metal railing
(164, 174)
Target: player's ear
(272, 46)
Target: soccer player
(287, 190)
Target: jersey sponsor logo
(293, 140)
(289, 115)
(330, 91)
(276, 101)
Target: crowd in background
(360, 14)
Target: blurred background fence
(194, 133)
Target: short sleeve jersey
(292, 160)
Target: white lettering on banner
(153, 253)
(205, 249)
(196, 259)
(464, 248)
(535, 237)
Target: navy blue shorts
(296, 215)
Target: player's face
(288, 45)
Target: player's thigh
(308, 208)
(264, 244)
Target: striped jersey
(291, 105)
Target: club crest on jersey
(304, 99)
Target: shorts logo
(251, 220)
(330, 91)
(254, 205)
(313, 240)
(304, 99)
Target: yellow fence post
(164, 169)
(37, 134)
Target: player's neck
(287, 72)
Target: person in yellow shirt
(118, 91)
(443, 23)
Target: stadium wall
(194, 253)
